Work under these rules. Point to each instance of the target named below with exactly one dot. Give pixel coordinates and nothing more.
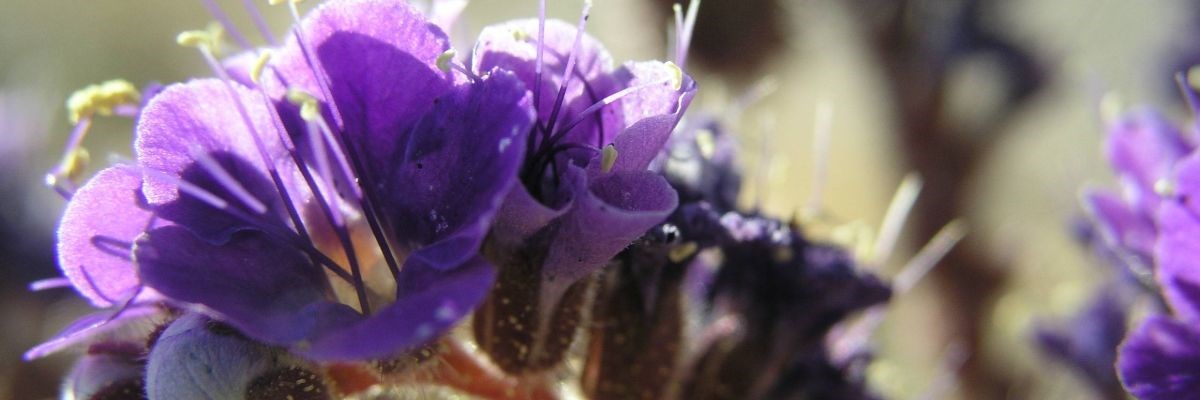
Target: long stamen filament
(223, 18)
(259, 22)
(214, 169)
(367, 200)
(610, 99)
(569, 70)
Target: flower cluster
(1149, 230)
(318, 218)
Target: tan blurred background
(1022, 200)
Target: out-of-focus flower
(1152, 228)
(1089, 343)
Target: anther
(444, 60)
(680, 253)
(1164, 187)
(608, 158)
(257, 69)
(101, 99)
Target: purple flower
(334, 204)
(586, 193)
(1156, 222)
(1089, 344)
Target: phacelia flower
(585, 191)
(331, 199)
(1153, 228)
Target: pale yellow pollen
(308, 104)
(608, 158)
(444, 60)
(677, 75)
(1164, 187)
(706, 143)
(257, 69)
(101, 99)
(70, 168)
(681, 252)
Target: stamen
(102, 99)
(49, 283)
(685, 37)
(185, 187)
(367, 200)
(1187, 85)
(226, 180)
(929, 256)
(612, 98)
(608, 157)
(309, 112)
(537, 67)
(259, 22)
(821, 134)
(893, 220)
(257, 70)
(224, 20)
(569, 70)
(445, 62)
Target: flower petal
(1178, 257)
(264, 287)
(1158, 360)
(512, 46)
(96, 235)
(428, 303)
(199, 118)
(611, 211)
(453, 171)
(651, 113)
(379, 60)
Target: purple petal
(262, 286)
(92, 326)
(453, 171)
(651, 113)
(379, 59)
(96, 235)
(610, 212)
(512, 46)
(428, 303)
(1159, 360)
(1143, 147)
(522, 215)
(200, 117)
(1119, 223)
(1178, 257)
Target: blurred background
(995, 103)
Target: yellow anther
(1164, 187)
(256, 71)
(101, 99)
(444, 60)
(197, 38)
(681, 252)
(706, 143)
(299, 97)
(608, 158)
(70, 169)
(520, 35)
(309, 110)
(677, 75)
(1193, 76)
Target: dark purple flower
(586, 192)
(1089, 343)
(773, 301)
(334, 204)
